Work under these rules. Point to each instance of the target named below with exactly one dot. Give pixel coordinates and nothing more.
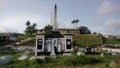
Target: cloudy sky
(101, 16)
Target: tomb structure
(55, 42)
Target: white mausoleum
(55, 42)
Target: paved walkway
(111, 49)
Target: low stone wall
(90, 49)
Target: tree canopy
(84, 30)
(48, 29)
(30, 29)
(75, 22)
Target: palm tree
(34, 25)
(73, 22)
(28, 23)
(76, 21)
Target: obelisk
(55, 28)
(55, 24)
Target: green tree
(30, 29)
(94, 32)
(48, 29)
(28, 23)
(33, 26)
(84, 30)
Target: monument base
(53, 56)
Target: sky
(101, 16)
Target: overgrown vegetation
(3, 43)
(92, 40)
(22, 37)
(13, 54)
(48, 29)
(29, 43)
(65, 61)
(111, 41)
(27, 40)
(87, 40)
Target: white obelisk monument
(55, 28)
(55, 23)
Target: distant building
(9, 36)
(68, 31)
(109, 36)
(64, 31)
(118, 37)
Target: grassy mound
(87, 40)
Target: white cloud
(17, 23)
(14, 15)
(11, 24)
(112, 26)
(107, 7)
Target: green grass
(29, 43)
(111, 41)
(9, 51)
(64, 61)
(87, 40)
(24, 37)
(3, 43)
(14, 55)
(93, 40)
(76, 60)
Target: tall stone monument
(55, 29)
(55, 42)
(55, 24)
